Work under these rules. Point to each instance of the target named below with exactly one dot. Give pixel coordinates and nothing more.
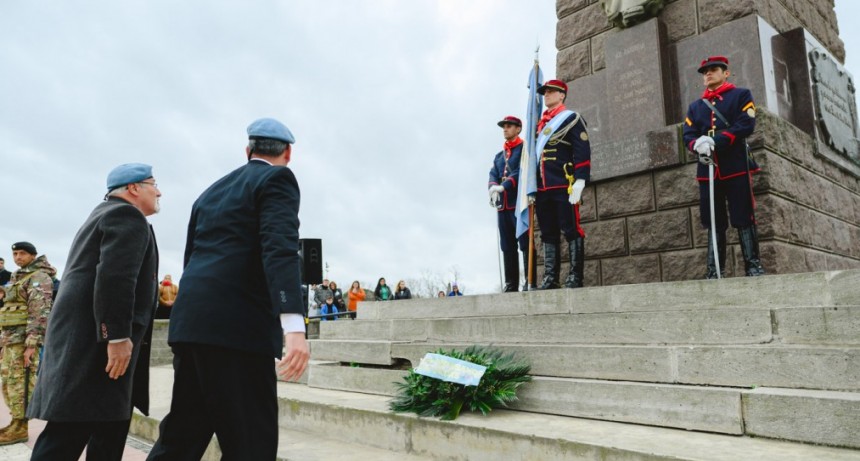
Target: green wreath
(427, 396)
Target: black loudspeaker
(312, 262)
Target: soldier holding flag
(562, 171)
(502, 186)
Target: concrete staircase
(738, 369)
(776, 357)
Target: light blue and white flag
(529, 161)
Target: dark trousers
(556, 215)
(507, 221)
(61, 441)
(222, 391)
(736, 193)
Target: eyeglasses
(153, 184)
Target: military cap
(510, 119)
(26, 246)
(270, 128)
(711, 61)
(557, 85)
(128, 173)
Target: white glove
(701, 142)
(494, 199)
(576, 193)
(496, 190)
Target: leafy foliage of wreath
(427, 396)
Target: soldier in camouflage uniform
(23, 319)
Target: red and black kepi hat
(557, 85)
(510, 119)
(711, 61)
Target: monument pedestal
(641, 213)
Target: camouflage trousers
(12, 373)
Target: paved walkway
(134, 450)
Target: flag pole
(531, 271)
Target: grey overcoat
(109, 291)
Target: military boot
(749, 248)
(721, 249)
(512, 270)
(15, 433)
(576, 249)
(551, 266)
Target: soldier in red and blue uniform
(717, 133)
(502, 186)
(563, 169)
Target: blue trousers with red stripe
(556, 216)
(735, 192)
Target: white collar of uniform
(261, 160)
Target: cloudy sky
(393, 104)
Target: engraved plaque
(835, 110)
(638, 152)
(634, 80)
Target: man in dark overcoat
(95, 365)
(240, 303)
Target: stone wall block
(630, 269)
(680, 19)
(666, 230)
(605, 238)
(574, 62)
(838, 263)
(565, 7)
(700, 234)
(625, 196)
(783, 137)
(588, 207)
(676, 187)
(598, 55)
(856, 199)
(591, 271)
(684, 265)
(580, 25)
(713, 13)
(781, 258)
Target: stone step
(801, 367)
(366, 429)
(519, 436)
(817, 289)
(799, 325)
(701, 408)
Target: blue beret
(271, 128)
(128, 173)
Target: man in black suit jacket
(240, 301)
(95, 364)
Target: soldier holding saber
(716, 128)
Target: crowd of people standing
(327, 301)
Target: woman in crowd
(337, 295)
(355, 294)
(383, 291)
(441, 294)
(402, 292)
(455, 290)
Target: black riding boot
(576, 248)
(749, 247)
(721, 249)
(512, 270)
(551, 266)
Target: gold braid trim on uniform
(559, 134)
